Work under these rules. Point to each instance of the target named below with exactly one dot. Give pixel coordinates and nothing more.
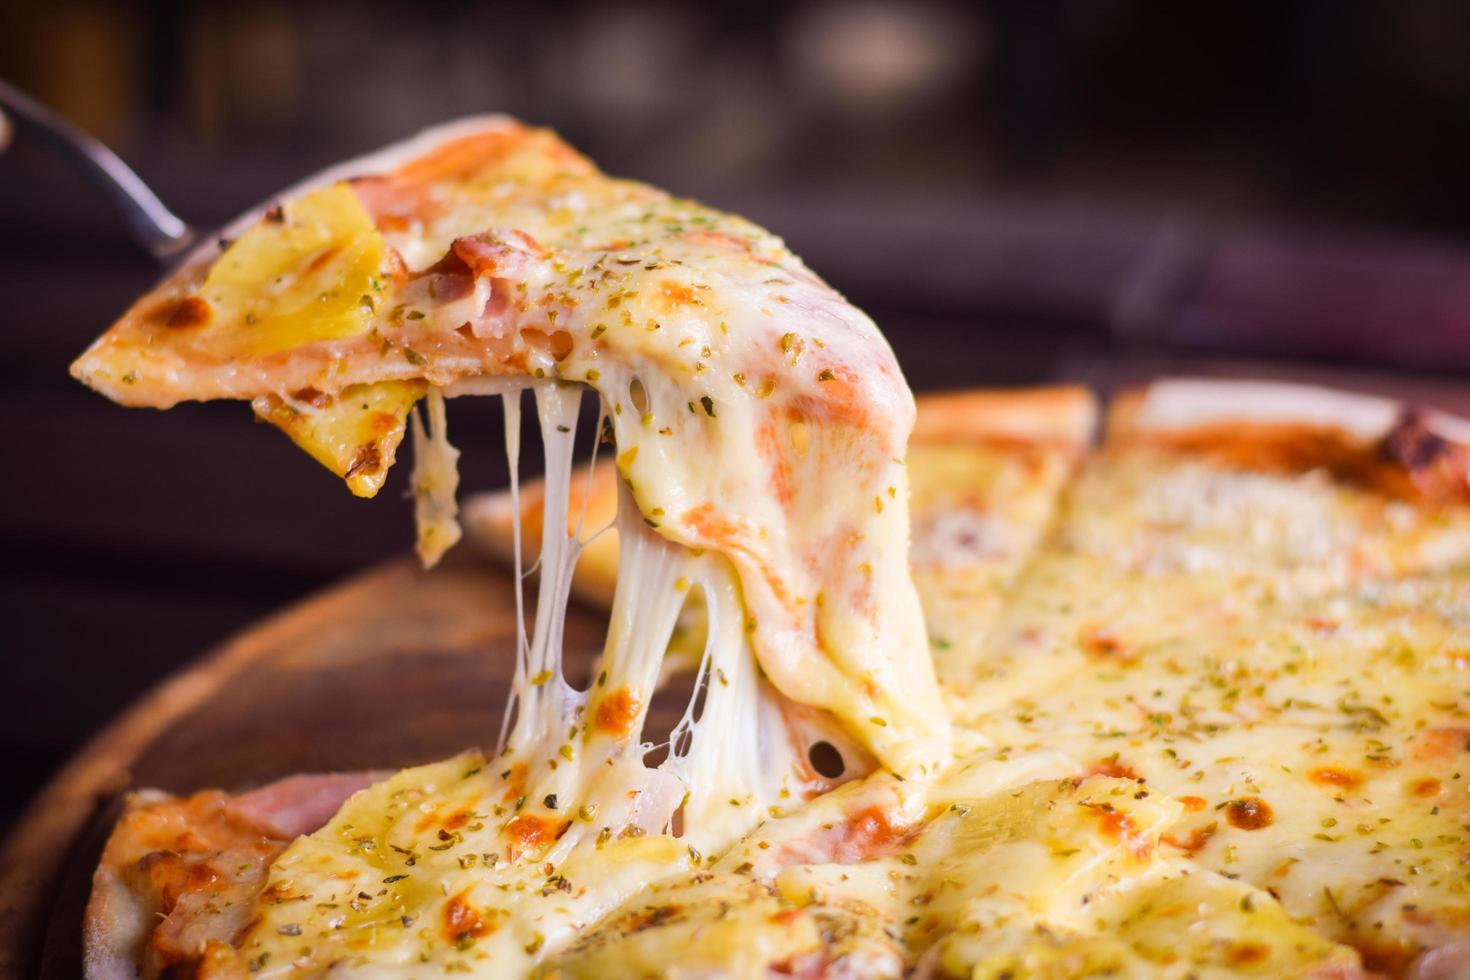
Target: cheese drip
(566, 737)
(510, 858)
(435, 482)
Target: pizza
(488, 257)
(969, 696)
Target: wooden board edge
(36, 848)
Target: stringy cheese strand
(512, 403)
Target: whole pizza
(975, 691)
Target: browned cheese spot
(181, 314)
(617, 712)
(1249, 813)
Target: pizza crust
(1389, 446)
(118, 921)
(1055, 416)
(1180, 404)
(206, 833)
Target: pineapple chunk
(309, 271)
(354, 433)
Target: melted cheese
(1265, 742)
(993, 872)
(1213, 719)
(1298, 688)
(503, 861)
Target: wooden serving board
(394, 667)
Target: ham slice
(300, 804)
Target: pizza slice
(486, 256)
(987, 470)
(759, 425)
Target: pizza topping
(190, 311)
(192, 869)
(298, 805)
(1438, 468)
(355, 433)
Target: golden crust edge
(1208, 402)
(1399, 448)
(1058, 416)
(115, 925)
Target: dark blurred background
(1017, 191)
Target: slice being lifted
(760, 425)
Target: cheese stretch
(759, 425)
